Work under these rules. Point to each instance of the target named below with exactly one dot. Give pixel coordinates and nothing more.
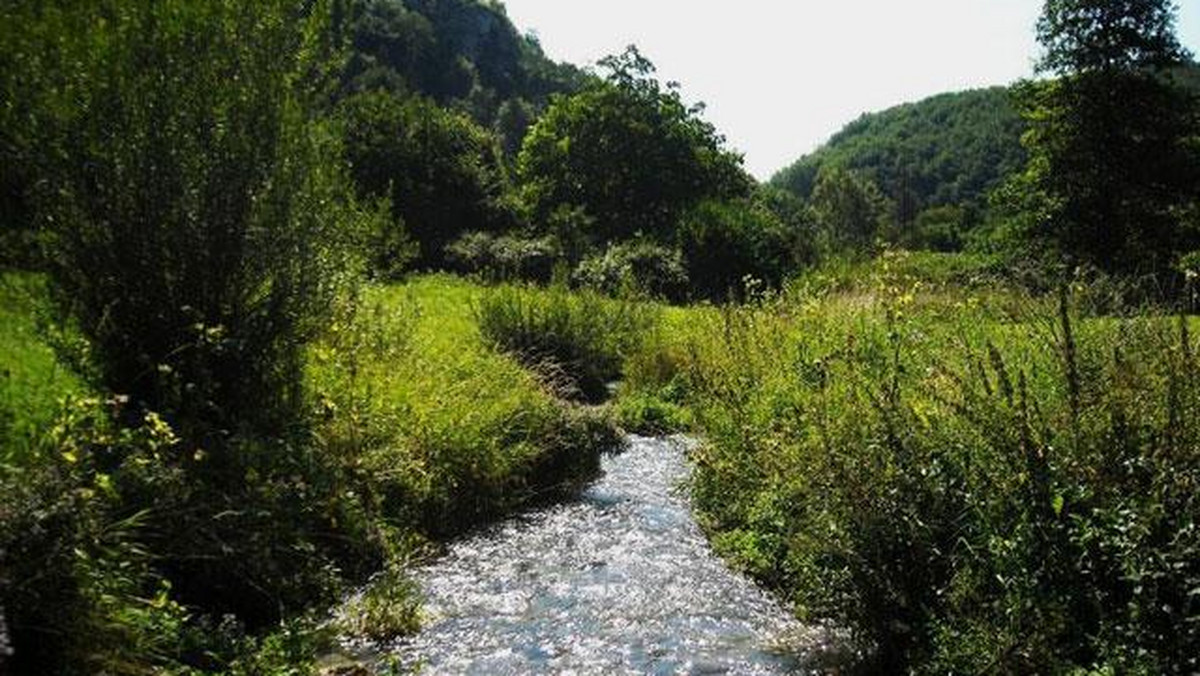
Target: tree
(727, 244)
(629, 153)
(1109, 166)
(1080, 36)
(850, 210)
(441, 171)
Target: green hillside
(947, 149)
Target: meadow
(968, 477)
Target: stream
(620, 580)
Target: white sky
(780, 76)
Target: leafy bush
(201, 226)
(727, 243)
(442, 173)
(642, 265)
(575, 340)
(505, 256)
(629, 152)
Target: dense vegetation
(969, 478)
(948, 150)
(226, 397)
(936, 164)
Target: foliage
(969, 482)
(78, 587)
(442, 431)
(505, 256)
(1087, 35)
(629, 153)
(1110, 168)
(441, 172)
(949, 149)
(576, 341)
(1107, 172)
(850, 211)
(728, 245)
(464, 54)
(33, 382)
(642, 265)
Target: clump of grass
(447, 431)
(387, 608)
(576, 340)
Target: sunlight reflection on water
(619, 581)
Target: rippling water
(619, 581)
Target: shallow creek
(620, 580)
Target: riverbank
(956, 471)
(966, 476)
(419, 429)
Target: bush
(575, 340)
(727, 243)
(442, 173)
(641, 265)
(505, 256)
(201, 228)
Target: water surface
(619, 581)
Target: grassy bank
(969, 478)
(418, 429)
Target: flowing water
(620, 580)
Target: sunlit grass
(33, 382)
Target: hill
(465, 54)
(947, 149)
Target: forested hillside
(463, 53)
(946, 150)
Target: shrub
(201, 228)
(642, 265)
(726, 243)
(575, 340)
(442, 173)
(505, 256)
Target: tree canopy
(629, 152)
(945, 150)
(1084, 35)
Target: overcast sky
(780, 76)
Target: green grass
(33, 382)
(419, 429)
(449, 431)
(936, 467)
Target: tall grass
(969, 484)
(446, 431)
(578, 341)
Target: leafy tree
(727, 244)
(629, 152)
(1087, 35)
(850, 210)
(441, 171)
(1109, 166)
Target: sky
(780, 76)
